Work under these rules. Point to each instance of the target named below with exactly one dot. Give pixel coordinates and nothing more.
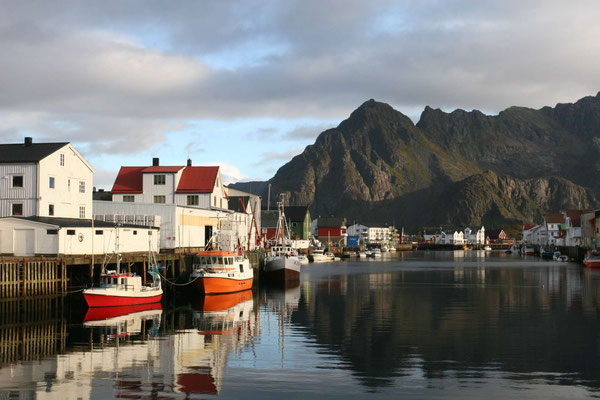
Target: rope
(74, 291)
(176, 284)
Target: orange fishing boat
(592, 260)
(220, 271)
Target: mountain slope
(379, 166)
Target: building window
(62, 160)
(17, 181)
(149, 233)
(81, 211)
(71, 232)
(81, 186)
(99, 232)
(221, 203)
(215, 201)
(52, 232)
(192, 200)
(17, 209)
(135, 232)
(51, 182)
(160, 199)
(128, 199)
(51, 209)
(69, 185)
(159, 179)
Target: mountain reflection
(462, 323)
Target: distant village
(49, 207)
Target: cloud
(118, 76)
(229, 173)
(304, 132)
(269, 156)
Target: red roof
(197, 180)
(129, 180)
(575, 216)
(528, 227)
(193, 179)
(554, 218)
(159, 169)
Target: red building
(332, 230)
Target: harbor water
(454, 324)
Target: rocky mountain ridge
(459, 168)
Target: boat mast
(117, 253)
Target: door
(24, 242)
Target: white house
(199, 187)
(574, 234)
(44, 180)
(189, 202)
(555, 224)
(474, 237)
(373, 233)
(34, 236)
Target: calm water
(421, 325)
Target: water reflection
(420, 324)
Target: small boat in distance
(375, 252)
(592, 259)
(528, 251)
(319, 256)
(125, 289)
(487, 248)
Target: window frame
(128, 198)
(81, 186)
(12, 209)
(51, 182)
(195, 200)
(51, 210)
(159, 197)
(160, 179)
(82, 211)
(22, 181)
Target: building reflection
(137, 352)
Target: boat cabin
(124, 281)
(218, 260)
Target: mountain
(460, 168)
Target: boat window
(214, 260)
(221, 260)
(230, 260)
(241, 267)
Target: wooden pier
(31, 329)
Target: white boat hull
(282, 267)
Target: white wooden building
(196, 187)
(44, 180)
(380, 234)
(34, 236)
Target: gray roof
(268, 219)
(21, 153)
(78, 223)
(331, 222)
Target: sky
(249, 84)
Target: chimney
(189, 162)
(28, 141)
(155, 162)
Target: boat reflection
(224, 324)
(122, 321)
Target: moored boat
(281, 262)
(319, 256)
(220, 271)
(375, 252)
(125, 289)
(529, 251)
(487, 248)
(592, 259)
